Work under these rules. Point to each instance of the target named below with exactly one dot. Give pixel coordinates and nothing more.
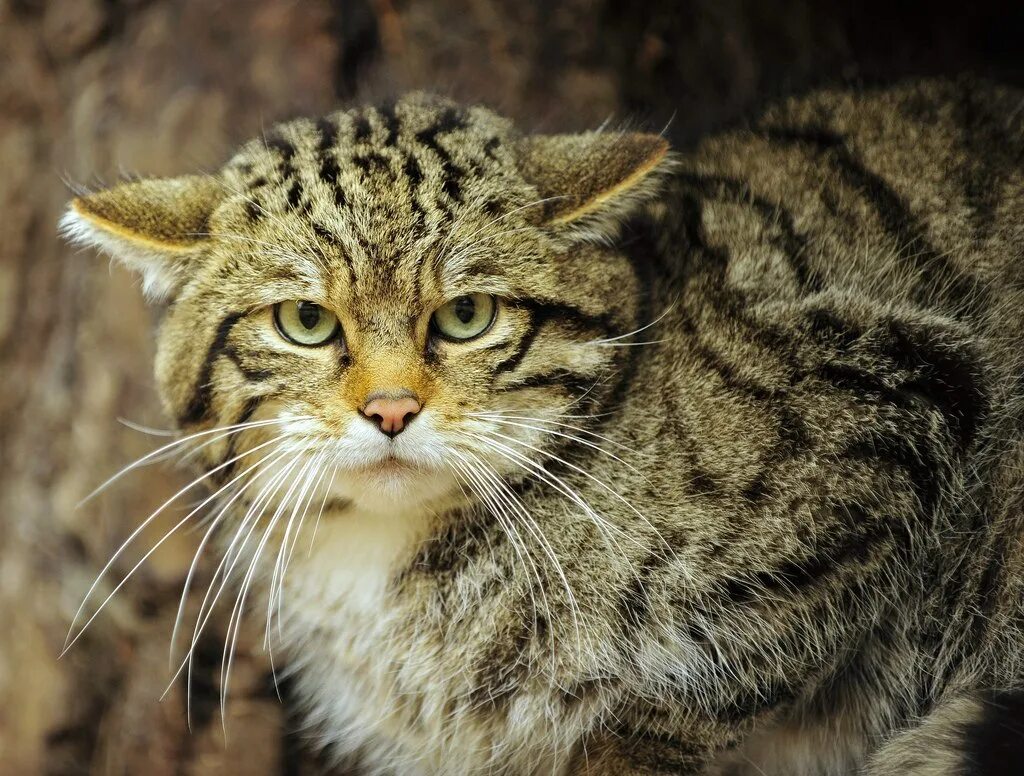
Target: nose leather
(392, 415)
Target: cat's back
(915, 192)
(846, 276)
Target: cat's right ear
(591, 183)
(155, 227)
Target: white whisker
(254, 471)
(222, 572)
(227, 660)
(655, 322)
(69, 641)
(178, 442)
(571, 437)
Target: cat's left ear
(594, 181)
(156, 227)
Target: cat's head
(411, 297)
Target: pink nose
(392, 415)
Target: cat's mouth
(391, 465)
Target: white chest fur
(380, 686)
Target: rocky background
(91, 90)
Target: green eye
(465, 317)
(306, 323)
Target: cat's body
(799, 550)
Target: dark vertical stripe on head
(327, 132)
(372, 162)
(490, 147)
(294, 195)
(329, 171)
(362, 129)
(413, 172)
(391, 124)
(331, 239)
(449, 121)
(199, 405)
(286, 151)
(414, 175)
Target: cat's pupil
(309, 314)
(465, 308)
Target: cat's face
(405, 302)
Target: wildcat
(615, 460)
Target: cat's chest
(344, 629)
(382, 674)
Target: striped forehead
(375, 177)
(378, 197)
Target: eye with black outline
(464, 317)
(306, 323)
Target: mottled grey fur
(802, 552)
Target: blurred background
(91, 90)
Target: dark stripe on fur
(917, 371)
(938, 273)
(295, 195)
(948, 377)
(521, 347)
(572, 382)
(287, 153)
(199, 405)
(544, 311)
(248, 410)
(994, 744)
(371, 162)
(391, 124)
(794, 577)
(915, 458)
(715, 362)
(449, 121)
(791, 243)
(254, 375)
(362, 128)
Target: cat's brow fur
(805, 555)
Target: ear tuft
(153, 226)
(593, 181)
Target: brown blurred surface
(93, 89)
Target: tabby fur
(732, 485)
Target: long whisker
(240, 602)
(69, 642)
(537, 534)
(255, 470)
(569, 437)
(311, 472)
(222, 572)
(323, 504)
(500, 417)
(574, 607)
(625, 344)
(497, 509)
(148, 458)
(604, 526)
(325, 464)
(160, 432)
(655, 322)
(614, 493)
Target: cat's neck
(354, 555)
